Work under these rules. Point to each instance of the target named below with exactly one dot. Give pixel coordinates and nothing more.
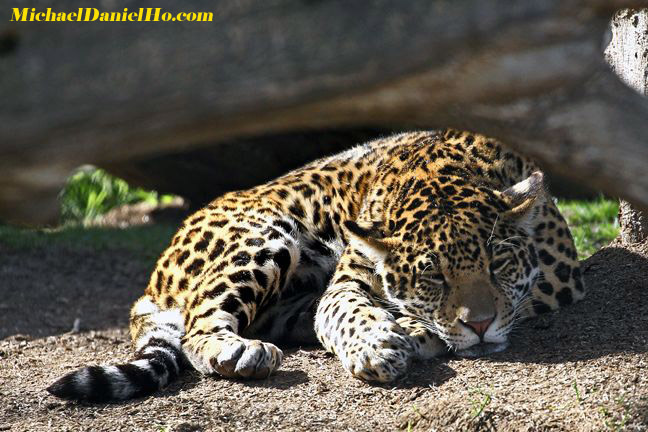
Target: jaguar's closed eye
(498, 265)
(434, 278)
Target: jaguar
(407, 247)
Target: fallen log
(531, 73)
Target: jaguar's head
(459, 257)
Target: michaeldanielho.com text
(94, 14)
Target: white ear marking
(525, 199)
(527, 188)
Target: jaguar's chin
(482, 349)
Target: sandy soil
(584, 368)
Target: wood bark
(528, 72)
(627, 53)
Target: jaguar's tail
(158, 361)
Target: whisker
(508, 238)
(492, 231)
(503, 242)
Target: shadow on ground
(46, 288)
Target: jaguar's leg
(367, 339)
(225, 303)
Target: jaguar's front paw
(381, 353)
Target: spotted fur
(408, 246)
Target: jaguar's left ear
(525, 199)
(370, 239)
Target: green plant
(579, 398)
(479, 402)
(91, 192)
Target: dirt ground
(584, 368)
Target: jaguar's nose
(479, 327)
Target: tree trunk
(628, 55)
(634, 224)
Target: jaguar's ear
(525, 198)
(369, 239)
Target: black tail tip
(88, 384)
(64, 388)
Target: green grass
(147, 242)
(91, 192)
(593, 224)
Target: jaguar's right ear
(369, 239)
